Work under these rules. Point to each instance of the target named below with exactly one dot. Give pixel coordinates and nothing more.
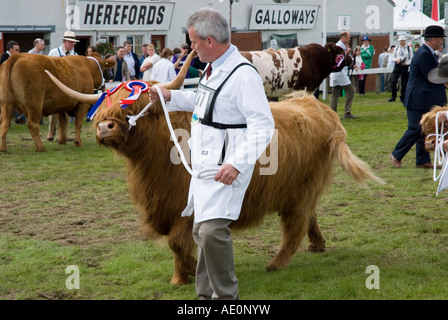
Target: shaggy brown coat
(429, 126)
(24, 86)
(309, 134)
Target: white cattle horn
(78, 96)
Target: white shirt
(129, 58)
(340, 78)
(390, 60)
(242, 100)
(36, 52)
(163, 71)
(60, 52)
(401, 53)
(358, 61)
(153, 59)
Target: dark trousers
(403, 72)
(362, 85)
(413, 135)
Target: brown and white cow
(310, 137)
(24, 86)
(300, 68)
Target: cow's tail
(355, 167)
(7, 67)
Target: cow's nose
(104, 129)
(430, 145)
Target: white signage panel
(120, 15)
(283, 16)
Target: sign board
(344, 23)
(119, 15)
(283, 16)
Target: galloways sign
(283, 16)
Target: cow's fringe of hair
(428, 119)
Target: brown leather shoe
(395, 162)
(349, 116)
(428, 165)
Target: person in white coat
(229, 105)
(340, 81)
(66, 49)
(163, 70)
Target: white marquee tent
(414, 20)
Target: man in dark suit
(11, 48)
(420, 96)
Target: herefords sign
(108, 15)
(283, 16)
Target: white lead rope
(101, 71)
(439, 153)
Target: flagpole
(324, 41)
(421, 20)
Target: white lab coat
(241, 100)
(340, 78)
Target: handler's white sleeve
(181, 101)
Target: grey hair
(208, 22)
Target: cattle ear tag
(329, 50)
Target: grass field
(69, 206)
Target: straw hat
(440, 74)
(70, 36)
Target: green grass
(70, 206)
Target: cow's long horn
(177, 82)
(78, 96)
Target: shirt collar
(218, 62)
(432, 50)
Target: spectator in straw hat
(402, 57)
(67, 48)
(421, 95)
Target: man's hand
(227, 174)
(154, 95)
(445, 146)
(442, 116)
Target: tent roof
(415, 20)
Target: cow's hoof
(271, 267)
(78, 144)
(41, 150)
(316, 248)
(180, 279)
(50, 137)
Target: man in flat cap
(421, 95)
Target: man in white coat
(340, 81)
(231, 124)
(67, 48)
